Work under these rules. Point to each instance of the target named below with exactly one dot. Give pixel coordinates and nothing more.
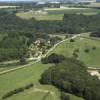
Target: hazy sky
(26, 0)
(17, 0)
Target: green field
(73, 10)
(91, 59)
(37, 94)
(56, 13)
(20, 78)
(31, 14)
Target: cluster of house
(34, 55)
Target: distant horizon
(15, 0)
(32, 0)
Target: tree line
(17, 91)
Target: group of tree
(71, 76)
(12, 47)
(95, 34)
(65, 96)
(54, 40)
(53, 58)
(18, 90)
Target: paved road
(23, 66)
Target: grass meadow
(91, 58)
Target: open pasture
(90, 58)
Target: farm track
(23, 66)
(48, 92)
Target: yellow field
(7, 7)
(65, 8)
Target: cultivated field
(7, 7)
(95, 5)
(56, 13)
(73, 10)
(32, 14)
(65, 8)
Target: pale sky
(26, 0)
(17, 0)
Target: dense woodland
(17, 34)
(71, 76)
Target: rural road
(23, 66)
